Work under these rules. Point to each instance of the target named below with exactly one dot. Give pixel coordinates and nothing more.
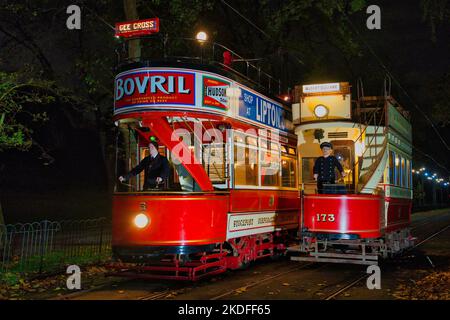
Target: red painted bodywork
(190, 219)
(353, 214)
(175, 219)
(399, 213)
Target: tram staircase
(373, 161)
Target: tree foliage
(16, 120)
(435, 12)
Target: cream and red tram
(232, 196)
(366, 214)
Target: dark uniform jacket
(154, 168)
(324, 167)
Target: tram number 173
(323, 217)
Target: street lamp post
(201, 37)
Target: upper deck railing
(157, 49)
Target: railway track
(423, 223)
(260, 282)
(352, 283)
(165, 294)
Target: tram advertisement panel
(215, 93)
(154, 87)
(256, 108)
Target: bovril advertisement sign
(147, 89)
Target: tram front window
(133, 147)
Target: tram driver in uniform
(324, 167)
(156, 169)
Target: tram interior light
(141, 220)
(320, 111)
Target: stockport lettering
(243, 223)
(150, 84)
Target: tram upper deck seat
(329, 188)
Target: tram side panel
(344, 217)
(262, 211)
(174, 220)
(398, 213)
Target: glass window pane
(245, 165)
(403, 170)
(288, 172)
(397, 170)
(214, 162)
(307, 170)
(391, 168)
(252, 141)
(270, 168)
(344, 156)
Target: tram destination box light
(322, 101)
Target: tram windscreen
(132, 148)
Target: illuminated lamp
(320, 111)
(201, 36)
(141, 220)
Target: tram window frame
(223, 148)
(293, 159)
(398, 173)
(408, 173)
(240, 141)
(267, 146)
(403, 168)
(392, 167)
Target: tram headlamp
(320, 111)
(141, 220)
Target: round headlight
(320, 111)
(141, 220)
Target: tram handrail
(214, 47)
(164, 192)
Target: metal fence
(48, 246)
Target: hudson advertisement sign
(157, 88)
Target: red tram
(369, 216)
(232, 196)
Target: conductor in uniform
(324, 167)
(156, 168)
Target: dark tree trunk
(2, 218)
(134, 46)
